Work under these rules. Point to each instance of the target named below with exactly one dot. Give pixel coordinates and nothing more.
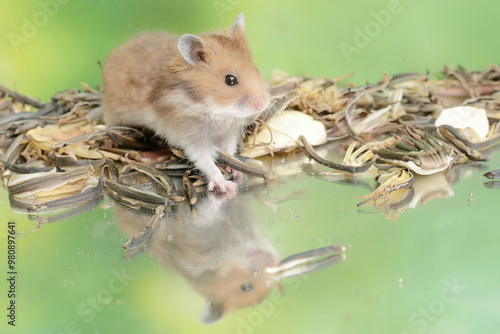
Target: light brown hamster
(196, 92)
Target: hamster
(196, 92)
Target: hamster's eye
(231, 80)
(246, 287)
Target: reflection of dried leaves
(80, 206)
(492, 184)
(143, 240)
(396, 201)
(307, 262)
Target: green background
(450, 239)
(294, 36)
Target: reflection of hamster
(222, 253)
(197, 92)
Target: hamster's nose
(261, 104)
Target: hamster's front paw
(222, 186)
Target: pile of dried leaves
(59, 155)
(406, 126)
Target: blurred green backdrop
(49, 45)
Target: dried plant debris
(494, 174)
(353, 169)
(189, 188)
(417, 150)
(394, 190)
(58, 153)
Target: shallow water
(431, 269)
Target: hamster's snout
(253, 104)
(260, 104)
(259, 101)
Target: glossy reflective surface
(431, 270)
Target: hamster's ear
(212, 312)
(191, 48)
(239, 25)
